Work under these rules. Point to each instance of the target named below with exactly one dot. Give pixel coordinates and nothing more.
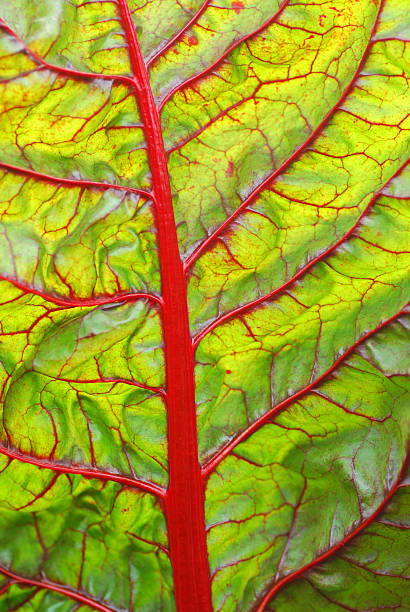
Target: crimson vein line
(229, 220)
(299, 573)
(73, 182)
(265, 418)
(114, 381)
(51, 586)
(82, 302)
(146, 487)
(60, 69)
(265, 298)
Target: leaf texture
(204, 306)
(374, 558)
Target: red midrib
(184, 500)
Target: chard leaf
(204, 307)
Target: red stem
(290, 577)
(185, 494)
(184, 498)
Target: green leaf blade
(204, 305)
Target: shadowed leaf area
(204, 305)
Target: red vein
(215, 461)
(58, 589)
(83, 302)
(114, 381)
(205, 244)
(265, 298)
(73, 182)
(150, 542)
(184, 500)
(179, 34)
(290, 577)
(223, 56)
(146, 487)
(7, 586)
(59, 69)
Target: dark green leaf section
(300, 484)
(70, 384)
(252, 362)
(370, 573)
(99, 539)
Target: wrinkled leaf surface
(204, 324)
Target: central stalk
(185, 494)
